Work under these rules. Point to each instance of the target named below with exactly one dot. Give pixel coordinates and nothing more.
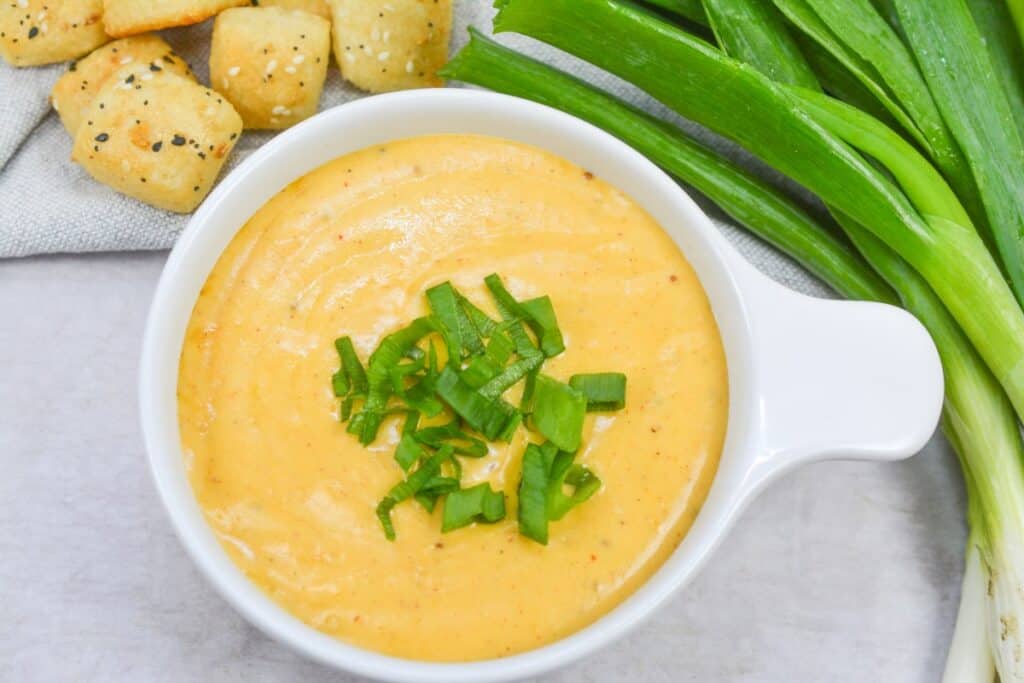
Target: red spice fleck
(593, 558)
(654, 429)
(588, 175)
(672, 278)
(356, 618)
(340, 236)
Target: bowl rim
(720, 269)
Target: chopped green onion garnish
(483, 323)
(476, 504)
(490, 418)
(533, 515)
(404, 490)
(461, 334)
(355, 375)
(545, 325)
(509, 376)
(449, 433)
(583, 482)
(558, 412)
(604, 390)
(408, 453)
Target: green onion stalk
(703, 84)
(978, 416)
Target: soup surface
(349, 249)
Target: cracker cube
(130, 17)
(157, 136)
(384, 45)
(46, 31)
(75, 90)
(270, 63)
(318, 7)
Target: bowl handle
(839, 379)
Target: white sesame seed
(41, 16)
(298, 59)
(226, 82)
(289, 69)
(271, 65)
(281, 110)
(368, 50)
(22, 3)
(44, 27)
(387, 36)
(126, 165)
(409, 67)
(349, 57)
(147, 77)
(233, 71)
(383, 56)
(127, 60)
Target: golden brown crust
(36, 32)
(75, 90)
(270, 63)
(131, 17)
(158, 137)
(384, 45)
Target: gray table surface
(841, 572)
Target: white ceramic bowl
(808, 379)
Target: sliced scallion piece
(494, 419)
(533, 514)
(604, 390)
(476, 504)
(448, 433)
(462, 334)
(404, 490)
(538, 313)
(408, 453)
(509, 376)
(558, 412)
(584, 484)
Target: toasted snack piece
(157, 136)
(384, 45)
(270, 63)
(130, 17)
(75, 90)
(318, 7)
(46, 31)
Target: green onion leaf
(483, 323)
(509, 376)
(584, 484)
(604, 390)
(408, 453)
(493, 419)
(404, 490)
(558, 413)
(544, 324)
(447, 433)
(351, 368)
(538, 313)
(462, 334)
(412, 421)
(479, 371)
(533, 515)
(476, 504)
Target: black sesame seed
(142, 179)
(234, 135)
(195, 189)
(130, 79)
(102, 137)
(157, 146)
(155, 67)
(33, 32)
(202, 155)
(73, 67)
(178, 141)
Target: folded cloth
(50, 205)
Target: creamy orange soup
(350, 249)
